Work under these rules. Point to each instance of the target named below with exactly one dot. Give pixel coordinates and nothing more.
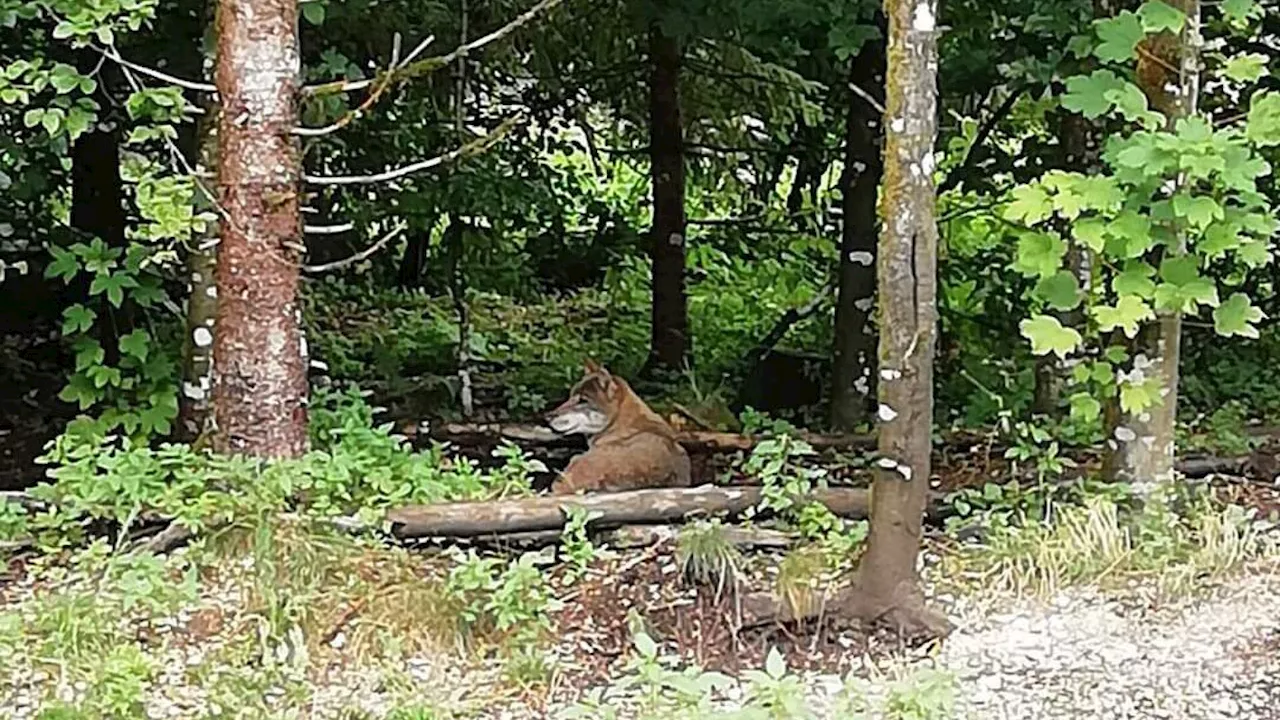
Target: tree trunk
(260, 386)
(1143, 444)
(907, 290)
(195, 409)
(669, 347)
(853, 369)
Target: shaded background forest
(516, 263)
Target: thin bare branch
(474, 147)
(857, 90)
(410, 68)
(113, 55)
(383, 83)
(363, 254)
(328, 229)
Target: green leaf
(1089, 232)
(1180, 269)
(1100, 192)
(1262, 126)
(313, 12)
(1127, 314)
(1199, 210)
(103, 376)
(65, 264)
(775, 665)
(1119, 37)
(1255, 254)
(645, 645)
(1137, 397)
(1088, 94)
(77, 318)
(1047, 335)
(64, 78)
(88, 353)
(1237, 316)
(1135, 280)
(1085, 407)
(64, 30)
(52, 120)
(1157, 16)
(135, 344)
(113, 285)
(32, 117)
(1131, 103)
(1249, 67)
(1038, 254)
(1030, 205)
(1219, 239)
(1060, 290)
(1239, 11)
(1132, 233)
(1188, 296)
(80, 390)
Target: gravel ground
(1081, 655)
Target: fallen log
(531, 514)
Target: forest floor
(1077, 654)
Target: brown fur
(631, 446)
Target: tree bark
(1143, 444)
(544, 512)
(852, 373)
(260, 386)
(887, 581)
(195, 410)
(669, 346)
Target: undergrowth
(1173, 539)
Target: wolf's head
(592, 403)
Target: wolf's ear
(591, 367)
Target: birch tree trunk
(1143, 444)
(260, 384)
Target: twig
(471, 148)
(410, 68)
(113, 55)
(338, 264)
(387, 79)
(857, 90)
(971, 155)
(328, 229)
